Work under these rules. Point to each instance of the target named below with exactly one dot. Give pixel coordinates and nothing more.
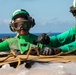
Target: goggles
(25, 24)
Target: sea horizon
(14, 34)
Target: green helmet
(19, 12)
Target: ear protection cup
(32, 22)
(11, 26)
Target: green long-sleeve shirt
(65, 41)
(22, 43)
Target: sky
(50, 15)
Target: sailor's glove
(50, 51)
(44, 39)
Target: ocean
(12, 34)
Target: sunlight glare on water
(41, 69)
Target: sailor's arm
(4, 46)
(63, 38)
(68, 47)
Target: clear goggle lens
(20, 23)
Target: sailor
(21, 23)
(64, 42)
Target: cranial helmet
(73, 8)
(21, 13)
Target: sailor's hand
(50, 51)
(44, 39)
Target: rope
(19, 62)
(44, 56)
(40, 56)
(32, 48)
(13, 54)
